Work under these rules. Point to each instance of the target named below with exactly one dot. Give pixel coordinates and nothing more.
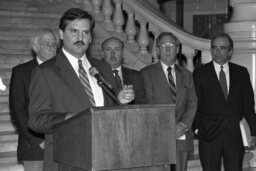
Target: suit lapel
(125, 76)
(232, 82)
(67, 73)
(161, 79)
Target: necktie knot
(115, 72)
(169, 69)
(80, 64)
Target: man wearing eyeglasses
(225, 96)
(30, 143)
(168, 83)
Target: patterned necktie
(85, 81)
(223, 82)
(172, 84)
(118, 79)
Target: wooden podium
(130, 138)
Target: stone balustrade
(137, 23)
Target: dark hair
(161, 35)
(112, 38)
(75, 14)
(223, 35)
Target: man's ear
(177, 49)
(61, 34)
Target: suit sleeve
(41, 113)
(249, 112)
(191, 106)
(19, 108)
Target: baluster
(143, 39)
(107, 11)
(87, 5)
(118, 16)
(154, 53)
(130, 29)
(189, 53)
(96, 10)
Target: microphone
(103, 84)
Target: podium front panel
(133, 137)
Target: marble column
(242, 29)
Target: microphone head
(93, 71)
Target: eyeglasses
(222, 48)
(168, 45)
(49, 45)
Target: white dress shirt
(96, 89)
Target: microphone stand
(110, 92)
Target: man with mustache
(63, 86)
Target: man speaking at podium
(63, 86)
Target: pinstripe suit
(55, 91)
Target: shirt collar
(166, 66)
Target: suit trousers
(33, 165)
(212, 153)
(181, 160)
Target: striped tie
(85, 81)
(172, 84)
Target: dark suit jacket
(133, 77)
(159, 92)
(214, 112)
(56, 90)
(28, 140)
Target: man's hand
(180, 130)
(126, 94)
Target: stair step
(9, 136)
(5, 116)
(15, 52)
(17, 4)
(8, 160)
(16, 167)
(4, 107)
(18, 8)
(26, 33)
(8, 154)
(9, 61)
(6, 126)
(26, 26)
(8, 146)
(28, 14)
(4, 99)
(21, 44)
